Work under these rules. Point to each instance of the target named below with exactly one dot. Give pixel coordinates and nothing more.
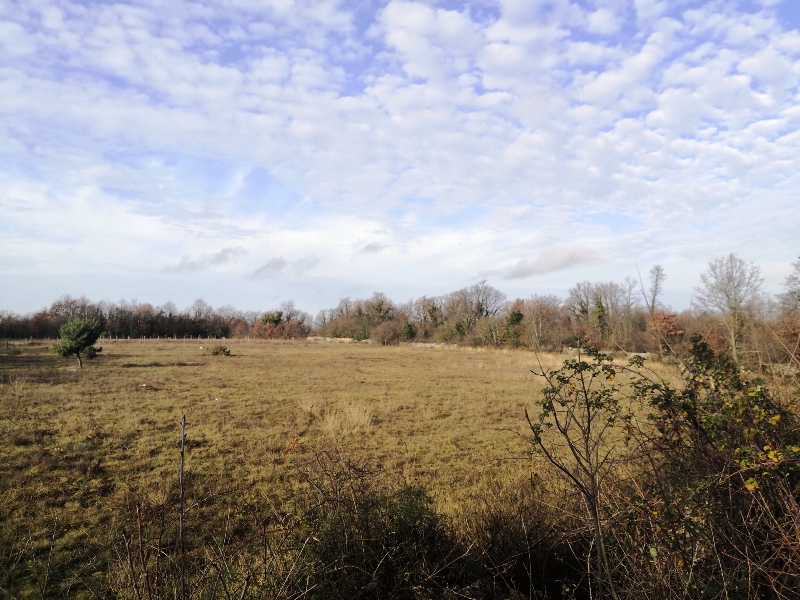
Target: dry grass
(76, 444)
(437, 415)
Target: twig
(134, 581)
(180, 513)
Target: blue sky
(250, 152)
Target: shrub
(583, 412)
(691, 490)
(718, 506)
(520, 536)
(369, 537)
(350, 533)
(387, 333)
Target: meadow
(80, 447)
(316, 469)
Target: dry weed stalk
(18, 382)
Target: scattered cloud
(604, 22)
(372, 248)
(466, 135)
(552, 260)
(274, 267)
(206, 261)
(305, 264)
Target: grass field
(323, 470)
(77, 444)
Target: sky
(250, 152)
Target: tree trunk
(730, 323)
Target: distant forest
(729, 310)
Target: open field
(77, 445)
(438, 415)
(318, 470)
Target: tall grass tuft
(345, 417)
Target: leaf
(774, 420)
(751, 484)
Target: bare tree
(487, 301)
(580, 301)
(467, 306)
(65, 307)
(382, 309)
(729, 285)
(342, 309)
(290, 311)
(427, 314)
(546, 324)
(657, 277)
(168, 309)
(200, 309)
(628, 312)
(790, 299)
(604, 312)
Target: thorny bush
(691, 489)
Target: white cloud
(593, 54)
(679, 110)
(603, 21)
(14, 40)
(649, 10)
(434, 44)
(413, 140)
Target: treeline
(731, 313)
(131, 320)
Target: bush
(350, 533)
(718, 507)
(691, 490)
(387, 333)
(368, 537)
(521, 537)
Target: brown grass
(76, 445)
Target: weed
(18, 382)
